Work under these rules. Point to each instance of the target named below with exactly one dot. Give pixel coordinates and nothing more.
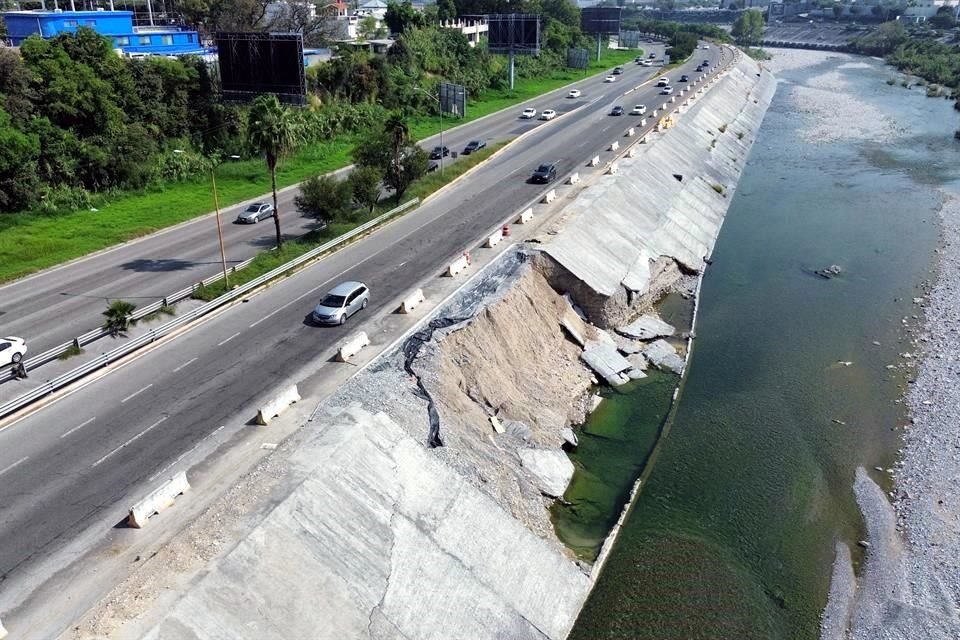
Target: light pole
(440, 109)
(216, 207)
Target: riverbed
(795, 379)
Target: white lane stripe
(131, 440)
(79, 426)
(185, 364)
(185, 453)
(136, 393)
(15, 464)
(220, 344)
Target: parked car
(473, 145)
(548, 114)
(545, 173)
(617, 71)
(663, 82)
(12, 350)
(638, 110)
(439, 152)
(574, 93)
(617, 111)
(529, 113)
(666, 91)
(341, 302)
(255, 213)
(684, 78)
(610, 79)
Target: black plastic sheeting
(411, 349)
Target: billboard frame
(255, 52)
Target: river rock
(647, 327)
(551, 468)
(662, 354)
(569, 437)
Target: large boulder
(551, 468)
(647, 327)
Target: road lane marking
(185, 364)
(15, 464)
(294, 301)
(79, 426)
(186, 453)
(220, 344)
(131, 440)
(136, 393)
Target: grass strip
(267, 261)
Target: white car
(610, 79)
(574, 93)
(638, 110)
(646, 63)
(663, 82)
(12, 350)
(706, 46)
(666, 91)
(529, 113)
(548, 114)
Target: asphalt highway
(64, 466)
(55, 306)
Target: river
(788, 390)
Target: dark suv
(617, 111)
(474, 145)
(545, 173)
(439, 152)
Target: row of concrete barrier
(161, 498)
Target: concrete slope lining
(617, 228)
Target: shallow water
(732, 534)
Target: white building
(376, 8)
(474, 27)
(928, 8)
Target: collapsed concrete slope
(628, 237)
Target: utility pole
(216, 207)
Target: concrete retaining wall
(623, 229)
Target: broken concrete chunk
(636, 374)
(604, 337)
(573, 330)
(496, 424)
(628, 346)
(595, 402)
(517, 429)
(575, 307)
(637, 361)
(607, 362)
(569, 437)
(662, 354)
(551, 468)
(647, 327)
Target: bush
(325, 198)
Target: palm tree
(119, 317)
(273, 132)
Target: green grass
(32, 242)
(269, 260)
(164, 310)
(71, 351)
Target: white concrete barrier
(352, 346)
(614, 146)
(630, 132)
(594, 161)
(277, 405)
(612, 169)
(686, 103)
(494, 239)
(673, 99)
(631, 152)
(412, 301)
(655, 112)
(3, 632)
(643, 122)
(158, 500)
(549, 196)
(457, 266)
(574, 178)
(525, 216)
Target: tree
(274, 133)
(394, 152)
(324, 198)
(944, 19)
(446, 10)
(837, 10)
(367, 29)
(401, 17)
(748, 28)
(119, 315)
(366, 184)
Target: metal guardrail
(165, 329)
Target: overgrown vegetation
(921, 55)
(748, 28)
(70, 352)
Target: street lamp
(216, 207)
(440, 109)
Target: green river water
(733, 531)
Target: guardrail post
(76, 343)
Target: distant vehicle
(439, 152)
(652, 56)
(433, 166)
(574, 93)
(666, 91)
(638, 59)
(617, 111)
(255, 213)
(644, 63)
(610, 79)
(706, 63)
(548, 114)
(529, 113)
(684, 78)
(706, 46)
(12, 350)
(699, 69)
(638, 110)
(545, 173)
(341, 302)
(663, 82)
(473, 145)
(617, 71)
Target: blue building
(117, 25)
